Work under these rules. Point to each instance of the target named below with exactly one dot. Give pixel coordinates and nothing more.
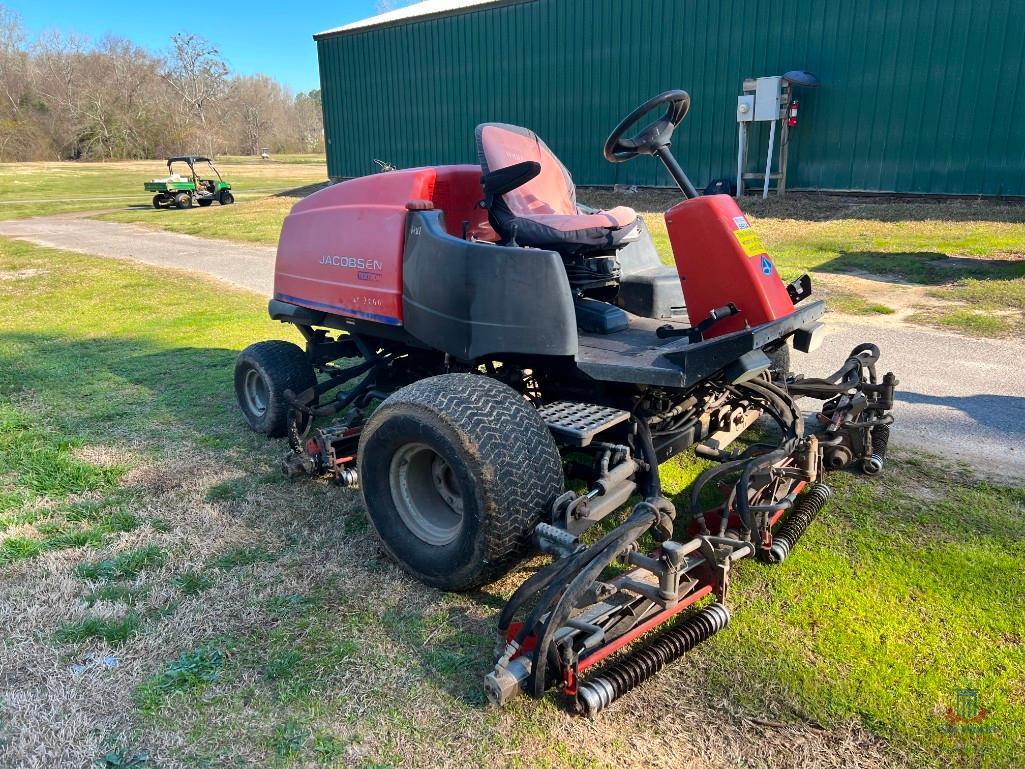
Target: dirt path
(960, 397)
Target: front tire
(227, 198)
(263, 372)
(456, 471)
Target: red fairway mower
(486, 343)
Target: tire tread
(512, 447)
(289, 369)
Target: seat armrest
(509, 178)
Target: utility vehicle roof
(190, 159)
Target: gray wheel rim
(256, 392)
(425, 493)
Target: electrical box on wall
(768, 100)
(768, 94)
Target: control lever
(696, 333)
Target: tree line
(63, 98)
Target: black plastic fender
(473, 299)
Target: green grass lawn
(257, 623)
(38, 189)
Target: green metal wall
(918, 96)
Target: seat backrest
(500, 145)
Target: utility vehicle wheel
(227, 198)
(456, 471)
(204, 203)
(263, 372)
(183, 200)
(158, 201)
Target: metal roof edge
(348, 30)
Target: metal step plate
(578, 423)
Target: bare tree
(199, 76)
(57, 75)
(260, 106)
(309, 121)
(13, 79)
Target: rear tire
(263, 372)
(158, 201)
(183, 200)
(204, 203)
(456, 471)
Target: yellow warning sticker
(749, 241)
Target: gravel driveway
(959, 396)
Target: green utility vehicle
(182, 190)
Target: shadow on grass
(925, 268)
(110, 388)
(452, 647)
(819, 207)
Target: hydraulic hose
(744, 484)
(596, 561)
(534, 584)
(840, 380)
(703, 480)
(788, 415)
(654, 483)
(554, 577)
(780, 399)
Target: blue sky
(275, 38)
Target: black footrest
(578, 423)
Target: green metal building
(917, 96)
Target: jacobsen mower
(508, 368)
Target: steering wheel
(655, 135)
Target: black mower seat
(530, 193)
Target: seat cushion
(596, 231)
(620, 216)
